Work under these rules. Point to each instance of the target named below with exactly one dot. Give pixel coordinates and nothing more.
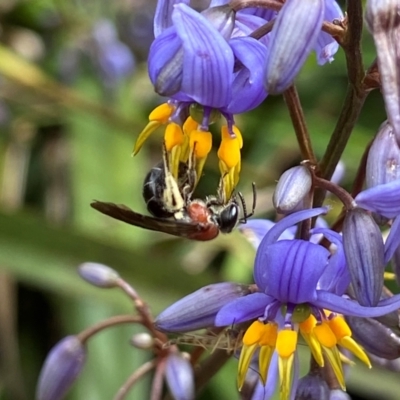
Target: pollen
(229, 150)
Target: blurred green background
(74, 94)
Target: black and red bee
(174, 212)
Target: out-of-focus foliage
(74, 94)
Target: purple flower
(179, 376)
(62, 366)
(208, 67)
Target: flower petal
(290, 270)
(248, 88)
(162, 16)
(393, 241)
(208, 59)
(243, 309)
(382, 199)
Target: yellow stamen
(333, 356)
(351, 345)
(201, 142)
(162, 113)
(246, 355)
(264, 360)
(157, 117)
(269, 335)
(306, 329)
(325, 335)
(286, 343)
(189, 126)
(285, 373)
(339, 327)
(254, 333)
(229, 149)
(173, 136)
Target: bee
(173, 210)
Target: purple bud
(179, 376)
(293, 186)
(198, 309)
(98, 274)
(312, 387)
(383, 163)
(375, 337)
(364, 250)
(62, 366)
(383, 21)
(396, 264)
(293, 37)
(391, 365)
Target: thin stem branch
(139, 373)
(299, 123)
(355, 96)
(110, 322)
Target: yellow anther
(308, 325)
(389, 276)
(162, 113)
(339, 327)
(325, 335)
(264, 361)
(254, 333)
(229, 149)
(333, 356)
(189, 126)
(269, 335)
(173, 136)
(285, 375)
(286, 343)
(201, 142)
(143, 136)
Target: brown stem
(360, 176)
(116, 320)
(339, 192)
(355, 96)
(139, 373)
(299, 123)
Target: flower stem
(299, 123)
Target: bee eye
(228, 218)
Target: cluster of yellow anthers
(188, 140)
(322, 338)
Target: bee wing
(172, 227)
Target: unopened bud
(383, 21)
(383, 163)
(142, 341)
(375, 337)
(198, 309)
(293, 186)
(179, 376)
(61, 368)
(312, 387)
(293, 37)
(98, 274)
(364, 251)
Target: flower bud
(364, 251)
(293, 186)
(312, 387)
(375, 337)
(383, 21)
(391, 365)
(396, 264)
(62, 366)
(98, 274)
(179, 376)
(293, 36)
(142, 340)
(198, 309)
(383, 163)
